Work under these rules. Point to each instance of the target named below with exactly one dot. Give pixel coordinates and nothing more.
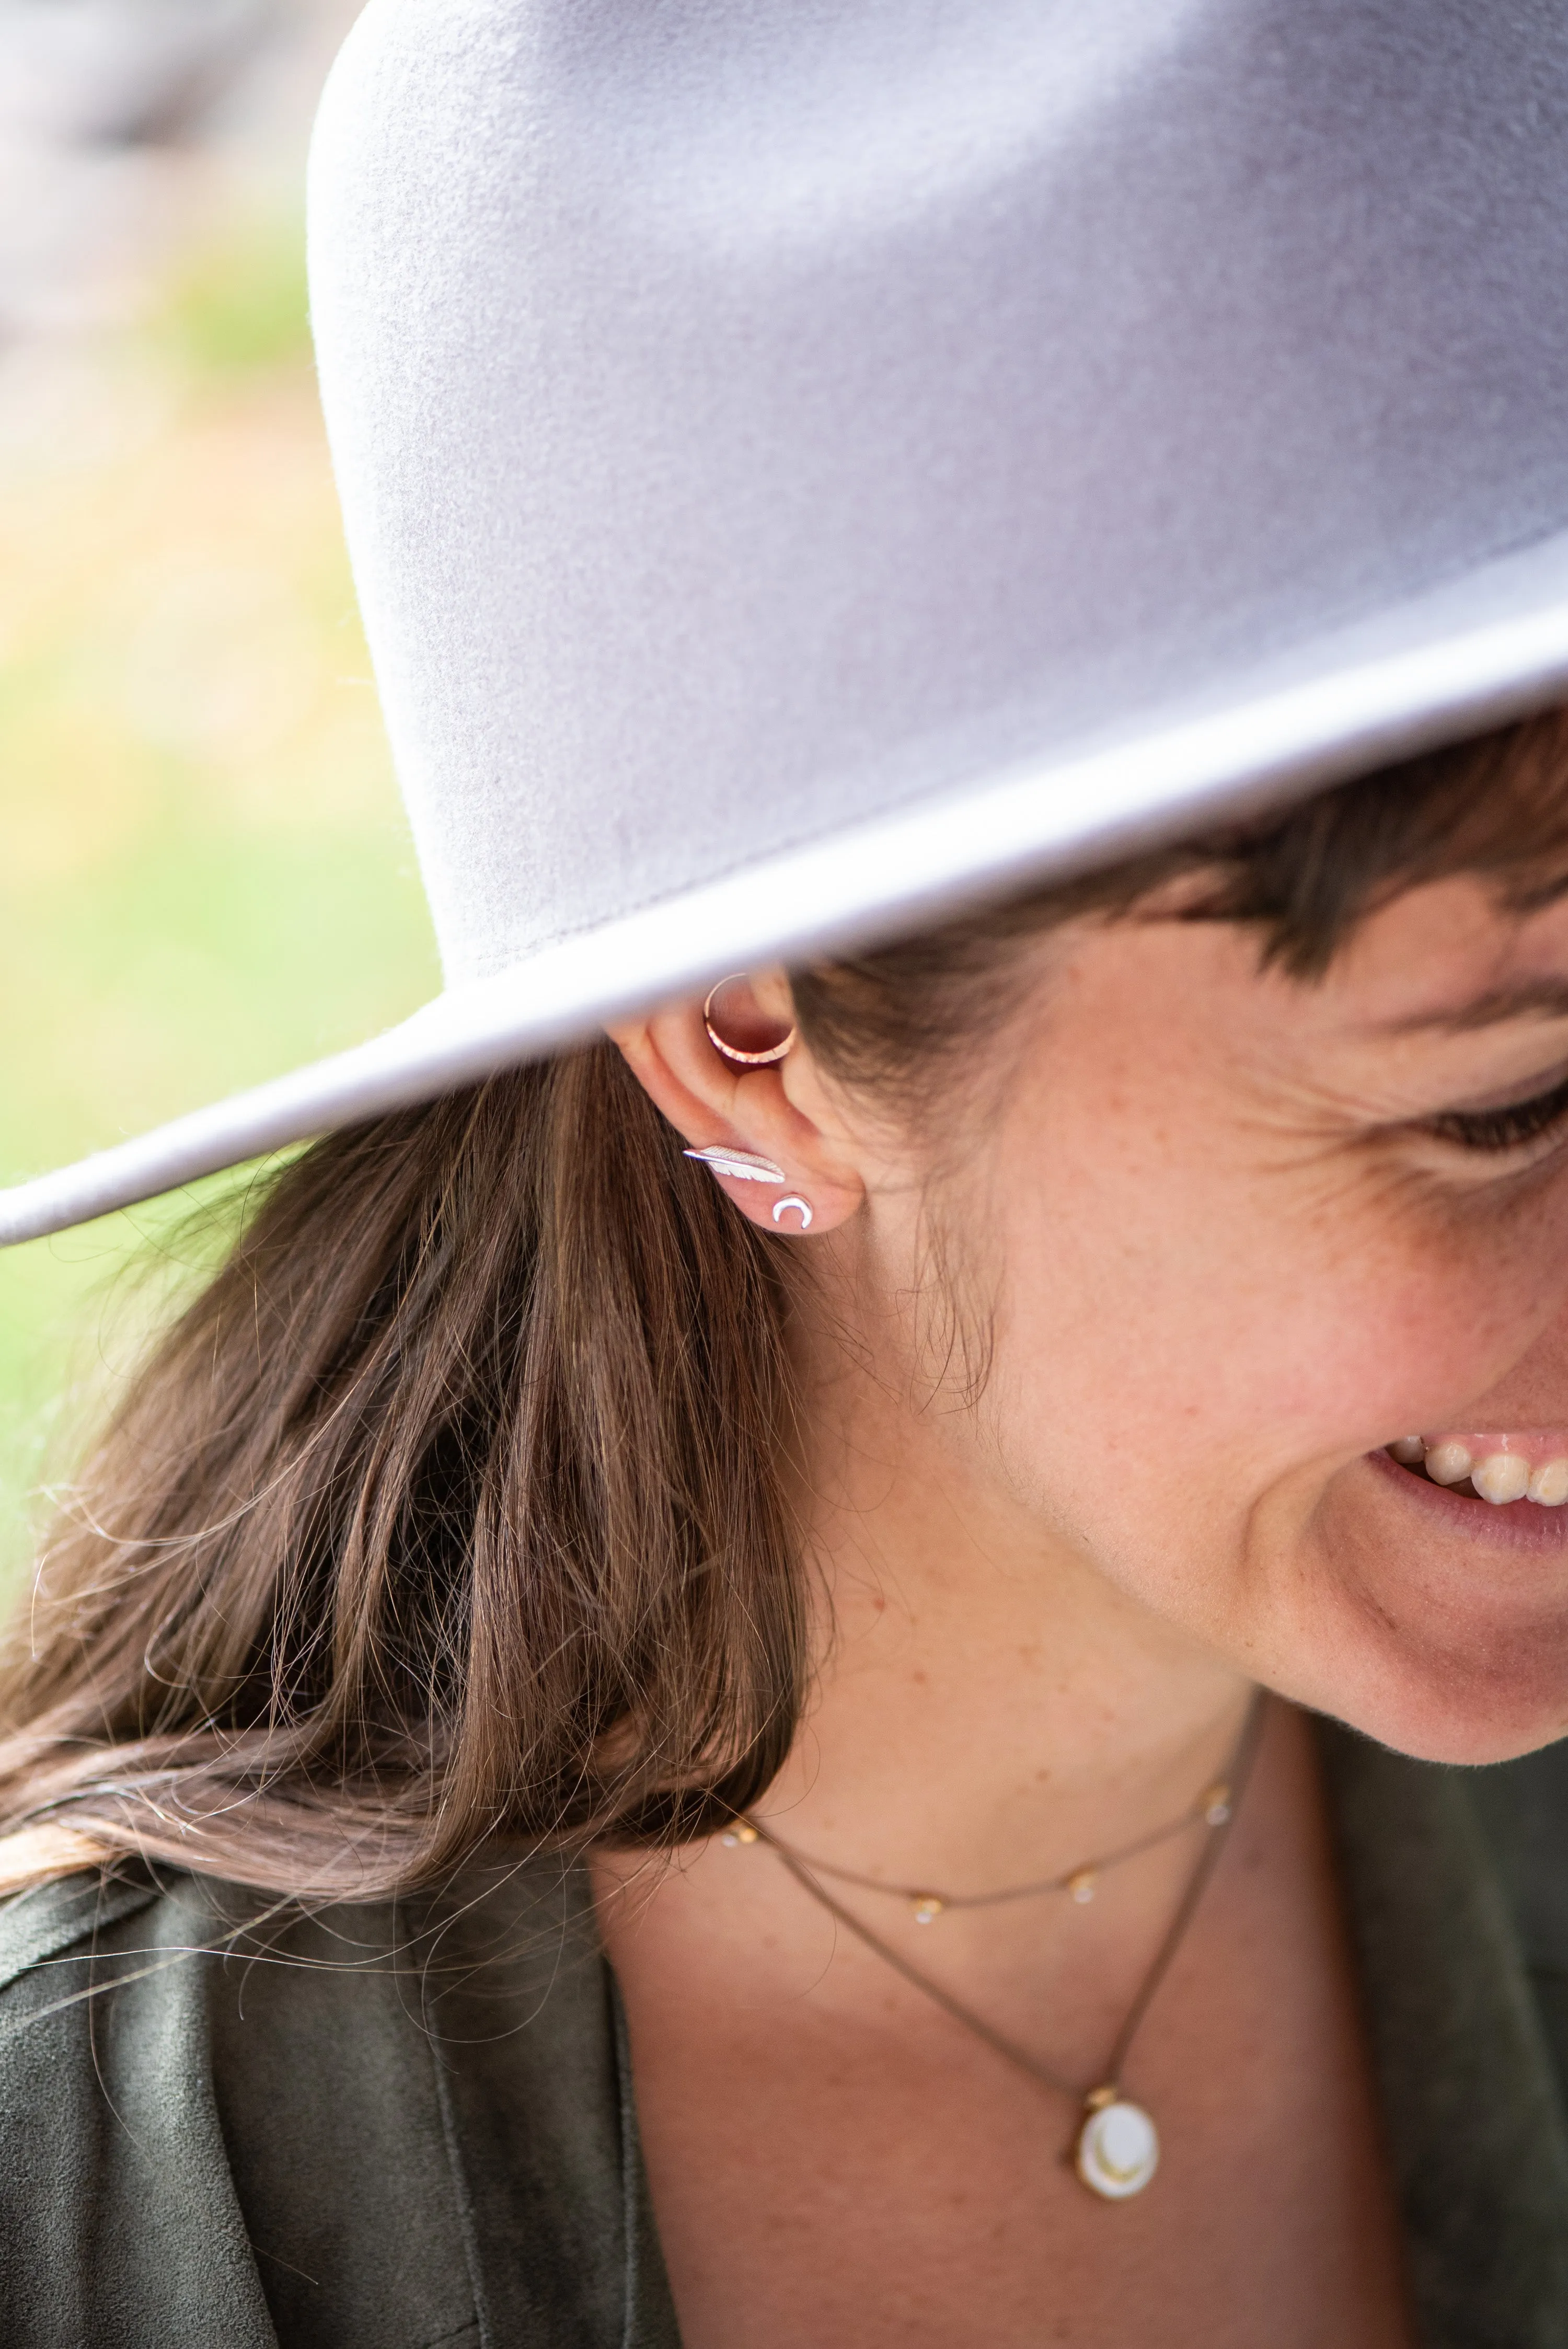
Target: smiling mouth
(1528, 1466)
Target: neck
(988, 1706)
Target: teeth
(1548, 1486)
(1449, 1463)
(1501, 1476)
(1502, 1468)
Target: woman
(777, 1680)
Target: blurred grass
(242, 305)
(204, 875)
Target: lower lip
(1507, 1525)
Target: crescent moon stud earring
(804, 1207)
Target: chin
(1441, 1621)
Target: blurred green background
(204, 875)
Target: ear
(780, 1112)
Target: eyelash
(1503, 1129)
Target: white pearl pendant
(1118, 2150)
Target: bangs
(903, 1017)
(1494, 807)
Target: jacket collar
(1472, 2107)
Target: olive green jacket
(394, 2128)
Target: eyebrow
(1542, 999)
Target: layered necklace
(1116, 2149)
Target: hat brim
(1480, 650)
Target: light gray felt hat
(807, 466)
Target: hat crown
(751, 420)
(808, 466)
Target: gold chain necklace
(1116, 2149)
(1080, 1883)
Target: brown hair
(454, 1511)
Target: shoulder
(188, 2069)
(107, 2145)
(44, 1915)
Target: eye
(1508, 1128)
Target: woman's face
(1236, 1252)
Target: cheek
(1178, 1353)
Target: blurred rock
(132, 131)
(119, 72)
